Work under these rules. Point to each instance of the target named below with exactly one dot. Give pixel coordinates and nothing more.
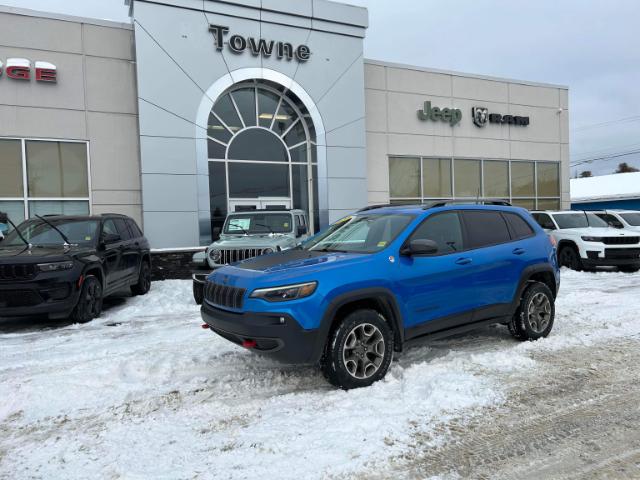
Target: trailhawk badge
(480, 116)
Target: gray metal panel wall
(180, 74)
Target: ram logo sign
(21, 69)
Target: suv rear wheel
(89, 304)
(534, 317)
(144, 280)
(359, 351)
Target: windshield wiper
(67, 243)
(265, 226)
(233, 224)
(4, 218)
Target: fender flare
(526, 275)
(389, 304)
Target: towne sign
(238, 44)
(480, 116)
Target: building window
(262, 149)
(436, 177)
(524, 183)
(467, 178)
(404, 177)
(39, 177)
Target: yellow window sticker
(286, 225)
(87, 238)
(382, 244)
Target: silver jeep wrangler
(250, 234)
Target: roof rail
(112, 215)
(444, 203)
(380, 205)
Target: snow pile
(145, 392)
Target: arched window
(262, 151)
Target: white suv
(585, 241)
(627, 219)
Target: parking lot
(144, 392)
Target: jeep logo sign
(238, 44)
(20, 69)
(450, 115)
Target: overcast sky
(590, 45)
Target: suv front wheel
(360, 350)
(534, 317)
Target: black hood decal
(264, 262)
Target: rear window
(485, 228)
(519, 227)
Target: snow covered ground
(144, 392)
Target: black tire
(568, 256)
(629, 268)
(535, 314)
(144, 280)
(365, 362)
(89, 304)
(198, 292)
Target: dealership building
(200, 107)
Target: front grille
(231, 256)
(223, 295)
(620, 240)
(19, 298)
(622, 253)
(24, 271)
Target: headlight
(592, 239)
(215, 255)
(287, 292)
(55, 267)
(267, 251)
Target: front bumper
(35, 298)
(277, 335)
(612, 257)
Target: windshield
(579, 220)
(259, 223)
(37, 232)
(632, 219)
(360, 234)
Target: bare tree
(624, 167)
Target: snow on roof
(618, 186)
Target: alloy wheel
(539, 312)
(363, 351)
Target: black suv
(63, 266)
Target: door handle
(463, 261)
(518, 251)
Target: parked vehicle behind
(356, 293)
(250, 234)
(627, 219)
(586, 241)
(64, 266)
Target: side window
(133, 226)
(109, 228)
(123, 230)
(519, 227)
(444, 229)
(298, 222)
(611, 220)
(485, 228)
(544, 221)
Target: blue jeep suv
(355, 293)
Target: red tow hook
(249, 343)
(205, 326)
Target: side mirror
(302, 230)
(109, 238)
(4, 217)
(420, 247)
